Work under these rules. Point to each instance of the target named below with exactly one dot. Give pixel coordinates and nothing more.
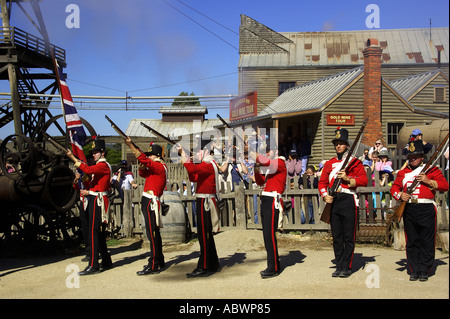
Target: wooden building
(309, 83)
(176, 121)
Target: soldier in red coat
(154, 170)
(270, 173)
(344, 210)
(419, 216)
(205, 174)
(98, 204)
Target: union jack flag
(73, 121)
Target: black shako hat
(154, 149)
(341, 134)
(98, 146)
(415, 147)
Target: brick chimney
(372, 92)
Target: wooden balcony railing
(13, 37)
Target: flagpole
(72, 135)
(58, 81)
(43, 31)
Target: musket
(64, 149)
(325, 217)
(168, 140)
(54, 143)
(119, 131)
(228, 126)
(246, 184)
(398, 213)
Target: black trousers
(208, 254)
(420, 230)
(84, 218)
(343, 229)
(269, 220)
(97, 236)
(153, 234)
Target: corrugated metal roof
(173, 130)
(407, 86)
(331, 48)
(183, 109)
(312, 95)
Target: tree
(113, 152)
(186, 101)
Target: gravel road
(379, 273)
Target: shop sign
(243, 106)
(340, 119)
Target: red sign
(244, 106)
(340, 119)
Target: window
(392, 133)
(439, 93)
(283, 86)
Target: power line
(96, 85)
(155, 87)
(223, 26)
(138, 103)
(179, 97)
(118, 107)
(185, 82)
(216, 35)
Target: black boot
(89, 271)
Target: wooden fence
(242, 209)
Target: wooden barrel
(174, 225)
(433, 133)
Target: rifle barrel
(228, 125)
(55, 143)
(337, 181)
(158, 134)
(223, 121)
(119, 131)
(115, 127)
(161, 135)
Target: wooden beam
(15, 99)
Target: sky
(163, 47)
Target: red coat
(355, 170)
(405, 178)
(204, 174)
(275, 179)
(86, 183)
(101, 175)
(154, 174)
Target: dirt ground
(378, 273)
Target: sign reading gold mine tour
(243, 107)
(340, 119)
